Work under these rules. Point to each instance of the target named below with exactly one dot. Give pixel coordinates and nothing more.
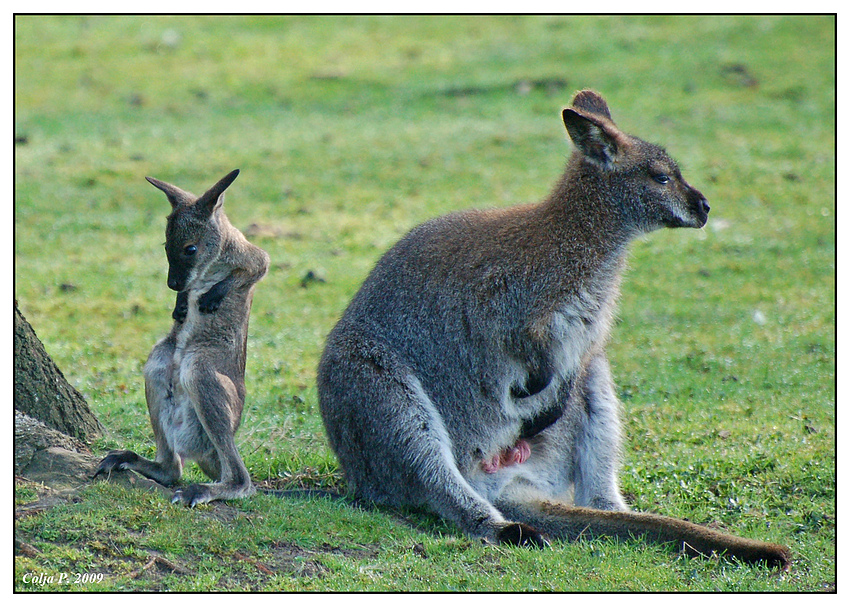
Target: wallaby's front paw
(519, 534)
(208, 305)
(181, 306)
(179, 314)
(193, 495)
(211, 300)
(115, 460)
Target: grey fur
(195, 376)
(482, 329)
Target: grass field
(351, 130)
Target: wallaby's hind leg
(210, 465)
(167, 467)
(597, 446)
(409, 462)
(218, 407)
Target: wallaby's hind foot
(115, 460)
(201, 493)
(223, 465)
(519, 534)
(128, 460)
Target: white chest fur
(576, 328)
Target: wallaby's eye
(661, 178)
(190, 250)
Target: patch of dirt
(250, 572)
(290, 558)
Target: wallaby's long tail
(559, 520)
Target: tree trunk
(42, 392)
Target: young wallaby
(469, 373)
(195, 376)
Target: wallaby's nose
(173, 284)
(698, 202)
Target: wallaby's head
(194, 231)
(639, 177)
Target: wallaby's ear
(592, 102)
(596, 137)
(214, 197)
(175, 195)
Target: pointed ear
(595, 137)
(591, 102)
(176, 196)
(213, 198)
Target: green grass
(351, 130)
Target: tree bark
(42, 392)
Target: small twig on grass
(158, 560)
(244, 557)
(25, 549)
(694, 551)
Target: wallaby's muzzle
(700, 207)
(174, 285)
(695, 214)
(177, 278)
(179, 272)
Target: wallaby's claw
(192, 495)
(114, 460)
(180, 498)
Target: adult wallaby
(469, 374)
(195, 376)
